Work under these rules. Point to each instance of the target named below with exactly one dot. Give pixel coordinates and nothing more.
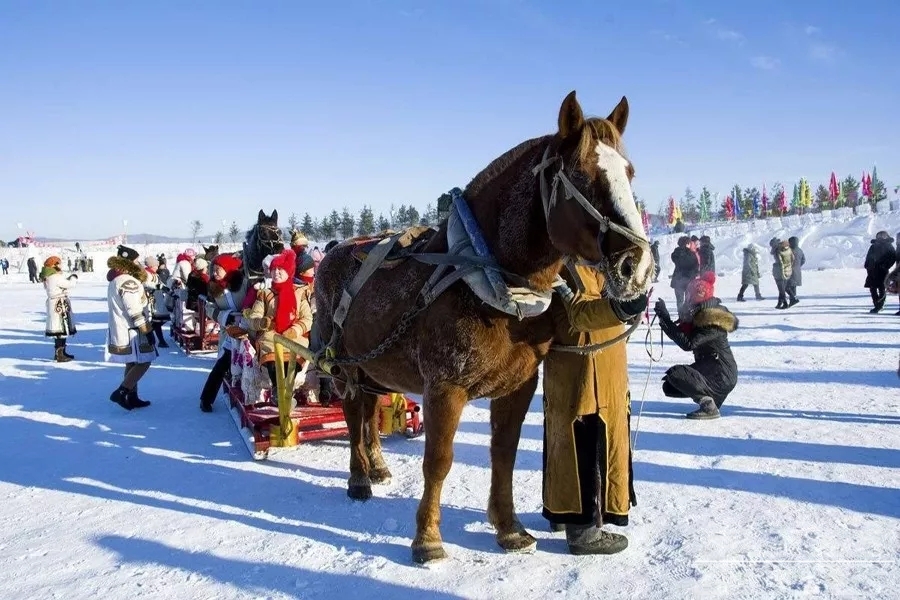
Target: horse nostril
(627, 268)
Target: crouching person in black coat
(703, 328)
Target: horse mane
(499, 164)
(597, 128)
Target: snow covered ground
(794, 492)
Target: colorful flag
(781, 201)
(867, 185)
(833, 189)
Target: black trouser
(684, 381)
(591, 453)
(679, 297)
(215, 378)
(878, 296)
(781, 285)
(270, 367)
(158, 330)
(791, 289)
(744, 289)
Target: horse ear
(275, 215)
(571, 117)
(619, 115)
(260, 216)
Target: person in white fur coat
(60, 321)
(130, 333)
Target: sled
(193, 330)
(267, 428)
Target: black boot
(590, 539)
(120, 397)
(60, 351)
(708, 410)
(134, 401)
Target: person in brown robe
(587, 479)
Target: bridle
(559, 180)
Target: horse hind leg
(507, 415)
(444, 405)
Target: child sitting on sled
(283, 308)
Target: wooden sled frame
(266, 429)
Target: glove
(660, 308)
(260, 323)
(627, 310)
(563, 289)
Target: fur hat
(127, 253)
(287, 260)
(161, 258)
(702, 287)
(52, 261)
(228, 262)
(151, 262)
(200, 263)
(298, 239)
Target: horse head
(263, 239)
(269, 238)
(210, 252)
(585, 187)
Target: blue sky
(164, 112)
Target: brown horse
(458, 348)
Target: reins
(648, 348)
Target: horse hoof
(360, 492)
(380, 476)
(428, 554)
(517, 542)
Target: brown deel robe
(576, 385)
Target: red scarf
(285, 305)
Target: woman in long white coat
(60, 320)
(130, 334)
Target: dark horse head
(263, 239)
(210, 252)
(585, 162)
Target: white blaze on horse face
(615, 166)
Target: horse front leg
(507, 415)
(443, 405)
(379, 473)
(359, 486)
